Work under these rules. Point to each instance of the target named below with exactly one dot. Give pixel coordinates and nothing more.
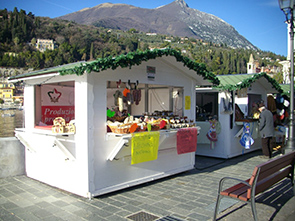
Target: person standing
(266, 129)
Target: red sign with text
(49, 113)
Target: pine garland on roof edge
(136, 58)
(248, 82)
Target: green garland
(248, 82)
(136, 58)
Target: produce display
(60, 126)
(133, 124)
(119, 121)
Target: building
(11, 93)
(6, 92)
(45, 44)
(252, 65)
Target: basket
(155, 127)
(119, 130)
(117, 118)
(141, 130)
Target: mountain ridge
(176, 18)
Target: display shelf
(23, 135)
(43, 131)
(124, 139)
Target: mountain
(176, 19)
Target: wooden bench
(263, 177)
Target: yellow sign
(144, 146)
(187, 102)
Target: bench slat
(280, 161)
(237, 191)
(227, 191)
(240, 193)
(269, 181)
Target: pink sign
(57, 101)
(187, 140)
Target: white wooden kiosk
(241, 90)
(91, 162)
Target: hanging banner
(187, 102)
(57, 101)
(187, 140)
(144, 146)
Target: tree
(16, 41)
(91, 52)
(33, 41)
(279, 77)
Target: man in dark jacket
(266, 128)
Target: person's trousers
(267, 146)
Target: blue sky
(259, 21)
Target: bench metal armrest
(221, 182)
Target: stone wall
(12, 157)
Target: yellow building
(45, 44)
(6, 91)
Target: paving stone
(52, 218)
(123, 213)
(198, 217)
(162, 205)
(120, 204)
(98, 203)
(82, 213)
(9, 217)
(28, 216)
(131, 208)
(154, 210)
(186, 206)
(102, 213)
(116, 218)
(3, 200)
(111, 209)
(68, 216)
(9, 205)
(20, 202)
(42, 213)
(5, 193)
(60, 203)
(43, 204)
(53, 209)
(71, 208)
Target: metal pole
(290, 143)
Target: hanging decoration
(246, 139)
(127, 95)
(227, 104)
(118, 97)
(136, 94)
(215, 128)
(282, 105)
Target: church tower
(251, 65)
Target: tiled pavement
(186, 196)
